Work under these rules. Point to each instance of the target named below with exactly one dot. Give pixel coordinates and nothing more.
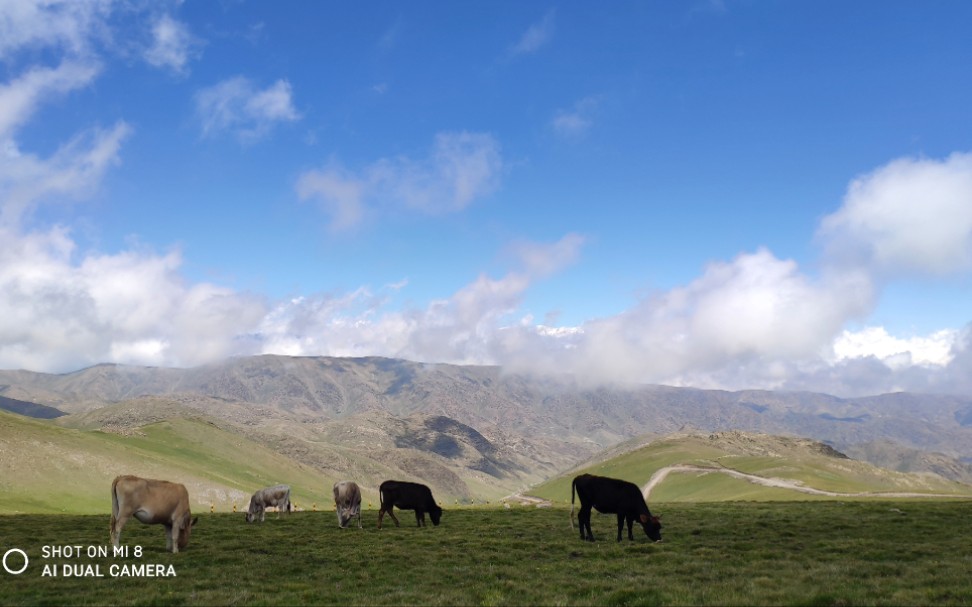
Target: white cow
(347, 502)
(278, 495)
(151, 502)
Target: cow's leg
(630, 522)
(171, 539)
(116, 528)
(391, 513)
(358, 514)
(381, 515)
(584, 518)
(420, 517)
(621, 519)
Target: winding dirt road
(779, 483)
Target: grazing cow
(347, 502)
(612, 496)
(151, 502)
(278, 495)
(408, 496)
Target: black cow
(408, 496)
(611, 496)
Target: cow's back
(160, 500)
(610, 495)
(347, 493)
(405, 495)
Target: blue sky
(731, 194)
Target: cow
(612, 496)
(278, 495)
(347, 502)
(408, 496)
(151, 502)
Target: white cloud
(237, 106)
(68, 25)
(575, 122)
(536, 36)
(72, 173)
(341, 195)
(541, 259)
(172, 45)
(911, 216)
(58, 313)
(896, 352)
(460, 168)
(469, 327)
(21, 97)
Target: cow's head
(652, 526)
(344, 516)
(435, 513)
(185, 530)
(253, 512)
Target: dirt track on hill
(779, 483)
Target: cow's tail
(114, 504)
(573, 487)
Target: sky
(723, 194)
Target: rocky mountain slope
(496, 424)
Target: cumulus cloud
(896, 352)
(468, 327)
(237, 106)
(909, 217)
(61, 312)
(172, 45)
(460, 168)
(535, 37)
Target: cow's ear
(644, 519)
(194, 521)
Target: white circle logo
(18, 571)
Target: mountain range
(475, 431)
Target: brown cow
(151, 502)
(347, 502)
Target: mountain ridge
(547, 422)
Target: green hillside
(729, 466)
(45, 468)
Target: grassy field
(743, 553)
(789, 461)
(48, 469)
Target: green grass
(45, 468)
(813, 470)
(785, 553)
